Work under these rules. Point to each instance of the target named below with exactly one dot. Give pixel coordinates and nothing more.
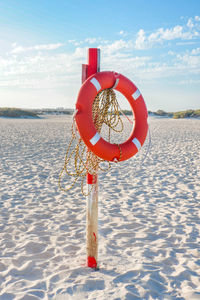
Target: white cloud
(105, 45)
(74, 42)
(184, 43)
(116, 46)
(170, 52)
(41, 70)
(170, 34)
(59, 74)
(91, 40)
(80, 53)
(62, 69)
(187, 32)
(196, 51)
(54, 70)
(190, 82)
(191, 61)
(123, 33)
(88, 41)
(140, 42)
(190, 23)
(19, 49)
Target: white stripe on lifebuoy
(95, 139)
(136, 142)
(116, 83)
(136, 94)
(95, 82)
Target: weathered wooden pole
(89, 69)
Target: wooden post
(92, 221)
(91, 68)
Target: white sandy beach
(149, 217)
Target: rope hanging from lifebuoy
(101, 108)
(79, 161)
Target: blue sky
(154, 43)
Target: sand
(149, 217)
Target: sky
(43, 44)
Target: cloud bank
(57, 66)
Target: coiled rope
(78, 159)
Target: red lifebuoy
(84, 120)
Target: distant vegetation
(127, 112)
(161, 113)
(54, 111)
(35, 113)
(190, 113)
(187, 114)
(17, 113)
(9, 112)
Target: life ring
(84, 120)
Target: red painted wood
(91, 262)
(91, 179)
(89, 69)
(93, 61)
(93, 65)
(84, 72)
